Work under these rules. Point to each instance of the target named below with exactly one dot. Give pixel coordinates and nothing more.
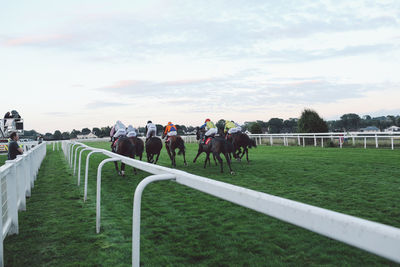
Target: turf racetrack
(181, 226)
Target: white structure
(17, 177)
(86, 136)
(393, 129)
(370, 129)
(380, 239)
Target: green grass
(3, 158)
(181, 226)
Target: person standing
(13, 147)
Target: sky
(72, 64)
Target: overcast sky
(75, 64)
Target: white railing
(380, 239)
(317, 139)
(17, 178)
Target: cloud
(58, 114)
(37, 40)
(105, 104)
(238, 92)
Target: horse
(124, 147)
(153, 148)
(216, 146)
(139, 146)
(242, 140)
(172, 143)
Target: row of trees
(309, 121)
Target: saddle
(208, 140)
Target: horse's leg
(216, 164)
(216, 155)
(184, 158)
(134, 169)
(116, 167)
(122, 169)
(169, 154)
(157, 158)
(198, 153)
(173, 157)
(207, 158)
(244, 152)
(247, 155)
(228, 161)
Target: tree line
(309, 122)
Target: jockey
(209, 126)
(131, 131)
(119, 129)
(170, 130)
(151, 130)
(231, 127)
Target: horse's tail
(181, 146)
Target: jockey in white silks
(151, 130)
(131, 131)
(120, 129)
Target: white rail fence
(376, 238)
(17, 178)
(361, 139)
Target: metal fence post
(136, 213)
(98, 195)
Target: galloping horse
(242, 140)
(125, 148)
(139, 146)
(172, 143)
(153, 148)
(216, 146)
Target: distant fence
(353, 139)
(17, 178)
(380, 239)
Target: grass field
(182, 227)
(3, 158)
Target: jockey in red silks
(170, 130)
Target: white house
(370, 129)
(86, 136)
(393, 129)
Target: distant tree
(398, 121)
(366, 117)
(160, 129)
(190, 129)
(311, 122)
(289, 126)
(351, 121)
(86, 131)
(105, 131)
(96, 131)
(275, 125)
(255, 128)
(48, 136)
(74, 133)
(180, 128)
(65, 135)
(57, 135)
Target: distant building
(86, 136)
(393, 129)
(370, 129)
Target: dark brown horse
(216, 146)
(153, 148)
(242, 141)
(172, 143)
(124, 147)
(139, 146)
